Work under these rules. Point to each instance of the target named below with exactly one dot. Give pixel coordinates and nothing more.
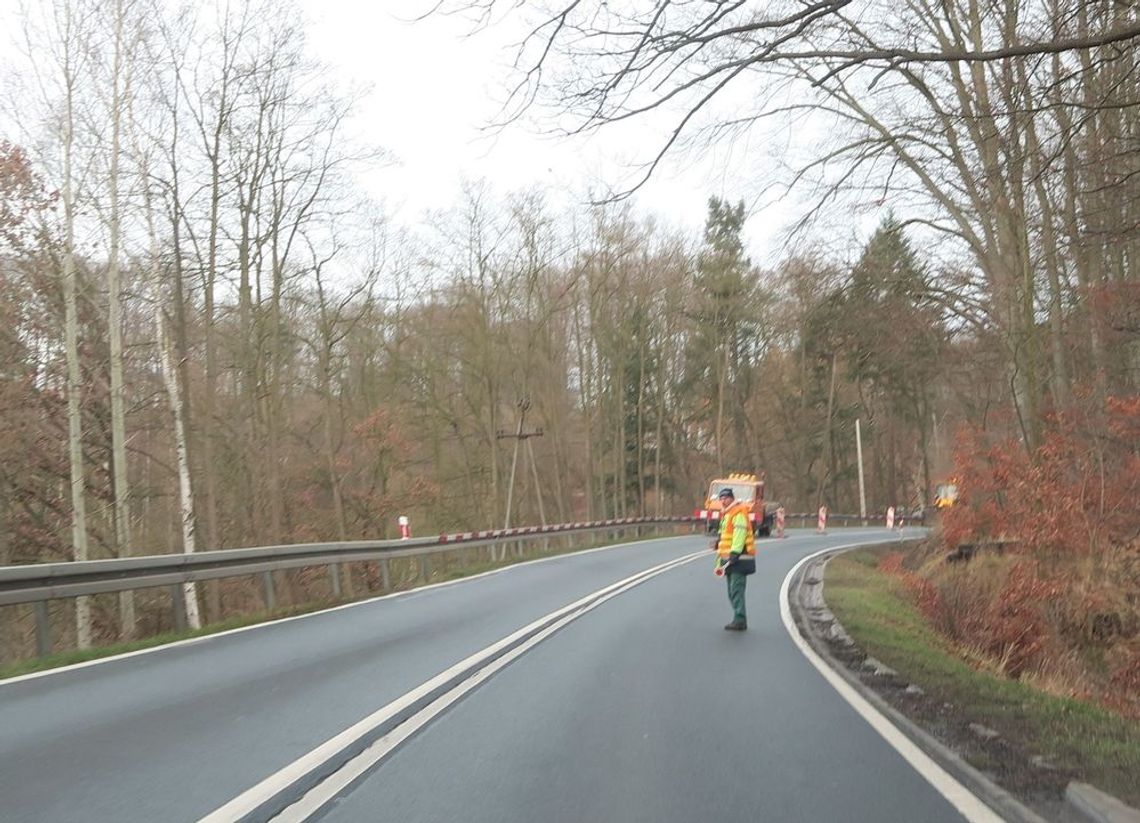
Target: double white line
(306, 785)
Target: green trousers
(736, 584)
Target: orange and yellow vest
(728, 524)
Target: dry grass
(1069, 625)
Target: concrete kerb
(1084, 802)
(997, 798)
(1091, 804)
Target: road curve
(641, 709)
(647, 710)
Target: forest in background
(211, 338)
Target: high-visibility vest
(728, 524)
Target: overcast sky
(435, 88)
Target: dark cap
(726, 492)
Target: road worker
(736, 554)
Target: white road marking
(280, 621)
(264, 791)
(961, 798)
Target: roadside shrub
(1061, 602)
(1077, 493)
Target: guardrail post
(178, 599)
(43, 629)
(425, 568)
(270, 595)
(334, 578)
(384, 575)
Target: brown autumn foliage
(1058, 601)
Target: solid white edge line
(961, 798)
(253, 797)
(280, 621)
(321, 794)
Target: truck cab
(946, 494)
(747, 488)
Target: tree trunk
(721, 379)
(122, 490)
(71, 334)
(826, 466)
(641, 430)
(185, 493)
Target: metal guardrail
(39, 583)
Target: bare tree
(941, 104)
(119, 77)
(605, 62)
(58, 50)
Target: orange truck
(946, 494)
(747, 488)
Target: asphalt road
(641, 709)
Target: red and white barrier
(822, 522)
(890, 517)
(780, 522)
(405, 527)
(460, 537)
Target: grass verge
(1096, 745)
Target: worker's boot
(736, 626)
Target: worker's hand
(732, 558)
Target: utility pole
(519, 436)
(534, 474)
(859, 455)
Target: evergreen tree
(726, 342)
(894, 339)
